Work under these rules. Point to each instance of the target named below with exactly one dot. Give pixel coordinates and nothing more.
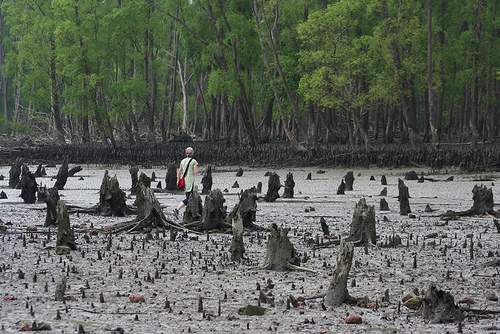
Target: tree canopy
(251, 72)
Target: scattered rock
(353, 319)
(136, 298)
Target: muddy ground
(173, 276)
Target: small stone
(466, 300)
(136, 298)
(353, 319)
(63, 250)
(491, 296)
(32, 228)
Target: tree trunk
(363, 224)
(112, 200)
(62, 175)
(403, 198)
(439, 306)
(65, 235)
(246, 209)
(28, 186)
(171, 177)
(237, 248)
(206, 181)
(337, 293)
(15, 173)
(430, 84)
(289, 185)
(273, 186)
(349, 180)
(214, 212)
(194, 208)
(50, 197)
(279, 251)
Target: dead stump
(341, 188)
(62, 175)
(15, 174)
(50, 197)
(206, 181)
(483, 203)
(194, 208)
(439, 306)
(273, 187)
(111, 198)
(289, 186)
(145, 180)
(337, 293)
(239, 172)
(28, 186)
(403, 198)
(349, 181)
(324, 226)
(237, 248)
(40, 171)
(171, 177)
(384, 206)
(363, 224)
(74, 170)
(65, 235)
(134, 170)
(383, 180)
(246, 209)
(214, 212)
(280, 253)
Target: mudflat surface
(197, 267)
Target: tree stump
(383, 180)
(273, 187)
(28, 186)
(206, 181)
(384, 206)
(15, 173)
(237, 248)
(134, 170)
(280, 252)
(412, 175)
(194, 208)
(239, 172)
(324, 226)
(246, 209)
(171, 177)
(61, 288)
(483, 203)
(214, 212)
(111, 198)
(74, 170)
(149, 211)
(349, 181)
(50, 197)
(403, 198)
(383, 192)
(145, 180)
(289, 186)
(439, 306)
(40, 171)
(65, 235)
(62, 175)
(363, 224)
(337, 293)
(341, 188)
(309, 177)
